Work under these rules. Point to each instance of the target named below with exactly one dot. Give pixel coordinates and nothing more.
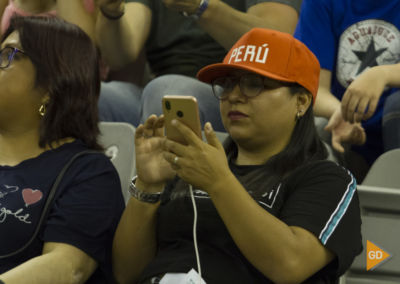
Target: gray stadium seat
(380, 213)
(385, 171)
(117, 138)
(221, 135)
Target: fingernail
(209, 126)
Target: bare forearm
(122, 40)
(74, 12)
(111, 36)
(268, 243)
(135, 241)
(3, 5)
(226, 24)
(44, 269)
(391, 74)
(325, 104)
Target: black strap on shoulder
(49, 202)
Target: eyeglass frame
(11, 57)
(266, 84)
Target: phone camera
(167, 105)
(179, 113)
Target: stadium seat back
(117, 138)
(385, 171)
(380, 214)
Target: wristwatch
(200, 10)
(141, 195)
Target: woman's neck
(35, 7)
(17, 147)
(259, 149)
(253, 155)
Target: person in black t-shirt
(271, 208)
(49, 87)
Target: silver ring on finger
(176, 159)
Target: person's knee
(183, 86)
(119, 101)
(151, 98)
(158, 88)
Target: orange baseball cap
(272, 54)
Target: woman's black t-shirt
(320, 197)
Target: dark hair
(305, 146)
(66, 63)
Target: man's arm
(362, 96)
(122, 40)
(134, 243)
(328, 106)
(219, 18)
(326, 103)
(3, 5)
(73, 11)
(392, 75)
(60, 263)
(226, 24)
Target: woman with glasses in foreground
(270, 208)
(49, 87)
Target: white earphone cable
(195, 232)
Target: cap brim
(208, 73)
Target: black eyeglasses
(250, 85)
(7, 55)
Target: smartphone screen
(184, 109)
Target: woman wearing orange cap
(270, 207)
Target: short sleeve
(323, 200)
(296, 4)
(87, 208)
(314, 29)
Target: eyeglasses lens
(6, 55)
(222, 87)
(251, 85)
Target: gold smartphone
(184, 109)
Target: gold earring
(298, 115)
(42, 110)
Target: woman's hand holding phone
(152, 169)
(197, 162)
(159, 159)
(201, 164)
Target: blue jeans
(181, 85)
(391, 122)
(120, 102)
